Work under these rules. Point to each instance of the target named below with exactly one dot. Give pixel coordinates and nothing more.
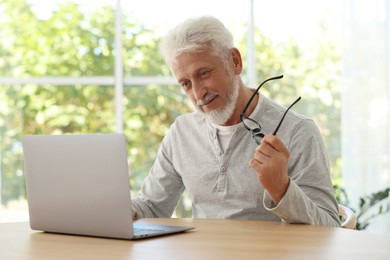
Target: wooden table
(211, 239)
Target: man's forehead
(190, 63)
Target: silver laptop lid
(78, 184)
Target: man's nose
(199, 90)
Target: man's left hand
(270, 163)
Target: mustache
(206, 99)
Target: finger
(275, 142)
(265, 149)
(256, 166)
(261, 157)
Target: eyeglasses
(254, 127)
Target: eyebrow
(196, 72)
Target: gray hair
(196, 35)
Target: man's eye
(186, 86)
(204, 74)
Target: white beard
(220, 117)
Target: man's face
(212, 88)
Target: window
(94, 66)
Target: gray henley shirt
(222, 185)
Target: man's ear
(235, 57)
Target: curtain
(365, 102)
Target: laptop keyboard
(144, 231)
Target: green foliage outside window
(75, 43)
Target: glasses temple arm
(257, 90)
(284, 115)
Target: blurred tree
(72, 42)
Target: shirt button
(223, 169)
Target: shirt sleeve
(162, 188)
(310, 196)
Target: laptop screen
(78, 184)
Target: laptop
(79, 184)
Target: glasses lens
(251, 124)
(254, 127)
